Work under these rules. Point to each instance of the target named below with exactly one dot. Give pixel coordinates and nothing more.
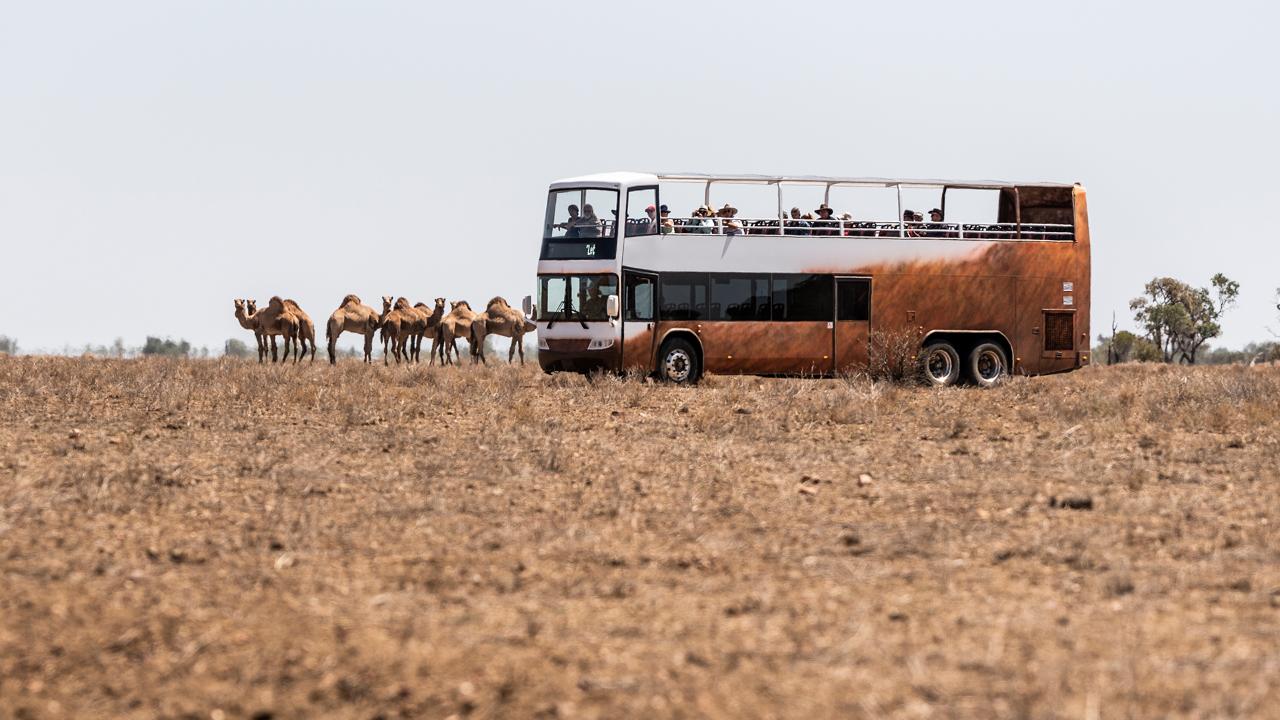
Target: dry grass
(219, 539)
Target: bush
(236, 349)
(8, 346)
(166, 347)
(895, 354)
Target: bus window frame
(657, 215)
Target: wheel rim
(990, 365)
(677, 365)
(939, 365)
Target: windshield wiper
(570, 311)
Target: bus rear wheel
(987, 365)
(678, 362)
(941, 364)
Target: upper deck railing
(1038, 232)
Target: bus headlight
(600, 344)
(542, 344)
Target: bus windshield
(581, 224)
(576, 298)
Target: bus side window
(639, 298)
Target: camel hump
(498, 300)
(352, 300)
(275, 300)
(462, 304)
(402, 303)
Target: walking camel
(271, 321)
(352, 316)
(499, 318)
(452, 326)
(306, 329)
(431, 320)
(397, 324)
(246, 322)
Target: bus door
(639, 313)
(853, 323)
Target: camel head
(386, 303)
(440, 304)
(252, 306)
(239, 304)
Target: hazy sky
(158, 159)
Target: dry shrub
(895, 354)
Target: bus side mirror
(612, 307)
(527, 305)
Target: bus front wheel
(941, 364)
(678, 362)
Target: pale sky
(158, 159)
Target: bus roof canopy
(633, 178)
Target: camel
(246, 322)
(273, 320)
(352, 316)
(306, 329)
(398, 324)
(452, 326)
(431, 319)
(499, 318)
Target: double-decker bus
(624, 285)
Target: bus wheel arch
(973, 347)
(674, 343)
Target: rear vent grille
(1058, 331)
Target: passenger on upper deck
(646, 224)
(702, 222)
(588, 226)
(570, 226)
(824, 225)
(935, 228)
(796, 225)
(668, 225)
(846, 219)
(731, 225)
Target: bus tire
(940, 364)
(678, 362)
(988, 365)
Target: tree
(166, 347)
(1179, 319)
(8, 346)
(236, 349)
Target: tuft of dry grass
(188, 538)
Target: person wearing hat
(668, 225)
(935, 228)
(647, 225)
(824, 225)
(702, 222)
(731, 225)
(846, 221)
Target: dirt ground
(219, 539)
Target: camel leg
(520, 348)
(275, 356)
(333, 348)
(312, 339)
(368, 347)
(511, 354)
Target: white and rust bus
(624, 285)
